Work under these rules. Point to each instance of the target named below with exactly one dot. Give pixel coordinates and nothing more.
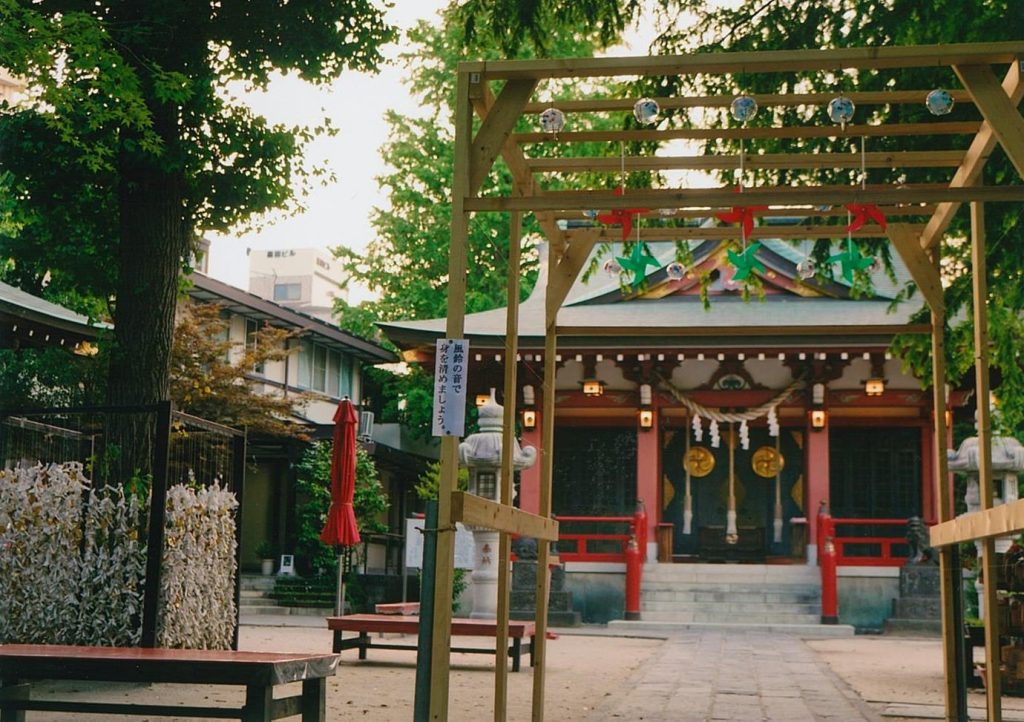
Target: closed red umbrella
(341, 529)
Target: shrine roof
(596, 313)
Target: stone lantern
(481, 454)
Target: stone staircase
(764, 597)
(254, 599)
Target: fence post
(238, 444)
(827, 563)
(633, 567)
(640, 527)
(157, 519)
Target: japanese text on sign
(450, 387)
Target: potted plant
(265, 551)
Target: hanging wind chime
(745, 262)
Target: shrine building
(782, 403)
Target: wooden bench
(258, 672)
(365, 624)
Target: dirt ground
(583, 670)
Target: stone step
(729, 608)
(766, 593)
(808, 630)
(250, 582)
(724, 617)
(749, 573)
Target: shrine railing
(871, 542)
(599, 545)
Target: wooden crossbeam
(613, 164)
(723, 233)
(998, 110)
(879, 97)
(890, 211)
(497, 124)
(662, 332)
(716, 197)
(974, 161)
(997, 521)
(475, 510)
(772, 61)
(882, 130)
(907, 241)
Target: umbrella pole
(339, 594)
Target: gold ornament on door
(699, 461)
(767, 462)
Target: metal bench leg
(337, 642)
(12, 689)
(259, 699)
(364, 643)
(533, 646)
(314, 699)
(516, 651)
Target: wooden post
(508, 441)
(547, 458)
(988, 551)
(949, 572)
(439, 656)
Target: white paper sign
(414, 545)
(450, 367)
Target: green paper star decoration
(637, 263)
(851, 260)
(745, 262)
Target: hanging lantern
(552, 120)
(646, 111)
(939, 102)
(675, 270)
(743, 108)
(612, 267)
(840, 110)
(807, 268)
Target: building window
(287, 291)
(252, 329)
(323, 264)
(875, 473)
(326, 370)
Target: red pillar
(648, 477)
(817, 467)
(529, 479)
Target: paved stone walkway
(704, 675)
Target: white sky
(340, 213)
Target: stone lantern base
(524, 595)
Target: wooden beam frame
(570, 249)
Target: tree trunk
(155, 231)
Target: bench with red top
(258, 672)
(365, 624)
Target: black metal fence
(139, 447)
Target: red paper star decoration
(620, 217)
(862, 213)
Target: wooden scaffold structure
(501, 93)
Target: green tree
(406, 264)
(133, 107)
(313, 484)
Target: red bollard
(640, 528)
(633, 567)
(827, 563)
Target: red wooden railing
(580, 550)
(887, 555)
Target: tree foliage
(313, 484)
(211, 377)
(146, 144)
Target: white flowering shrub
(73, 562)
(197, 594)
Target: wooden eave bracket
(477, 511)
(908, 244)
